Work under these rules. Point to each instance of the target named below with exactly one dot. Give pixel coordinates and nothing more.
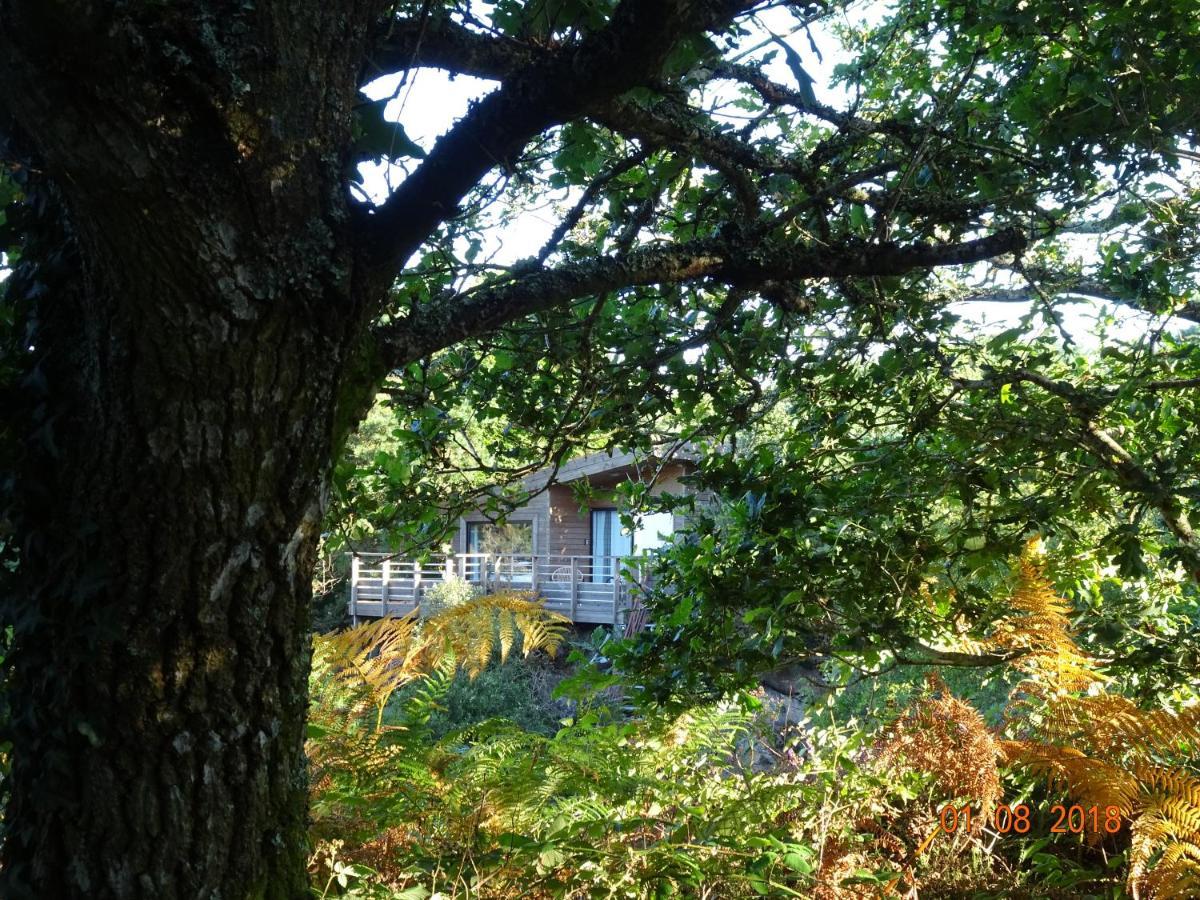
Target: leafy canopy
(755, 260)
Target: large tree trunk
(191, 344)
(159, 671)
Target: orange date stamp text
(1018, 819)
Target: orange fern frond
(1040, 632)
(1092, 781)
(1099, 746)
(947, 738)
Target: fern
(1070, 728)
(602, 808)
(384, 655)
(947, 739)
(1099, 746)
(369, 774)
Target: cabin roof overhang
(603, 463)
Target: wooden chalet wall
(560, 525)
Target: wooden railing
(586, 589)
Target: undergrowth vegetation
(417, 795)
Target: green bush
(881, 697)
(446, 595)
(518, 690)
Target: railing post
(385, 588)
(449, 568)
(533, 574)
(616, 592)
(417, 586)
(574, 587)
(353, 588)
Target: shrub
(517, 690)
(447, 594)
(602, 806)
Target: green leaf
(380, 138)
(859, 219)
(799, 861)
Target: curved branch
(440, 43)
(776, 94)
(1103, 446)
(570, 82)
(743, 264)
(678, 126)
(590, 193)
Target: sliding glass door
(609, 539)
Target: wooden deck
(586, 589)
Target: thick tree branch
(742, 264)
(1173, 384)
(440, 43)
(676, 125)
(931, 656)
(570, 82)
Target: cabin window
(510, 547)
(653, 531)
(507, 539)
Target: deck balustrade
(586, 589)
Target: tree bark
(194, 313)
(158, 678)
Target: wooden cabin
(577, 557)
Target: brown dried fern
(946, 738)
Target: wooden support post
(385, 586)
(574, 587)
(353, 588)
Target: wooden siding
(570, 525)
(560, 526)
